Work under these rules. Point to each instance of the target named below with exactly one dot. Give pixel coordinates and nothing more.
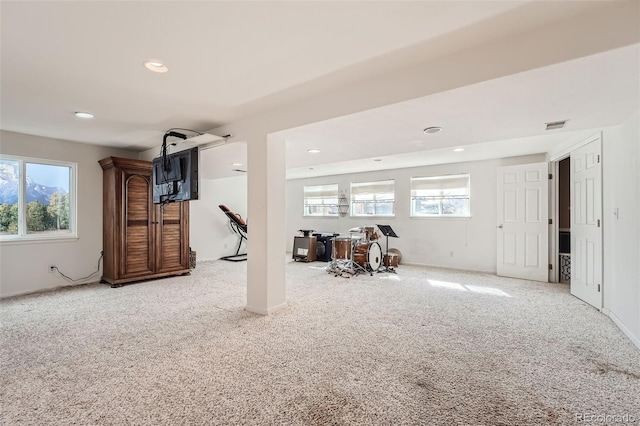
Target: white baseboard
(42, 290)
(267, 311)
(453, 268)
(621, 326)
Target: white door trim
(567, 152)
(554, 214)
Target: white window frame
(434, 181)
(326, 188)
(359, 188)
(22, 234)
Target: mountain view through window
(46, 198)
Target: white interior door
(586, 226)
(523, 221)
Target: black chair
(239, 226)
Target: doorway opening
(564, 220)
(575, 244)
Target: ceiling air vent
(556, 124)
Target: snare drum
(370, 233)
(342, 248)
(368, 255)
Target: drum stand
(387, 232)
(345, 268)
(340, 267)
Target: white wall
(210, 234)
(621, 191)
(424, 241)
(24, 266)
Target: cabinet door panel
(138, 250)
(172, 237)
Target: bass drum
(368, 255)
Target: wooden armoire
(141, 240)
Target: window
(373, 198)
(37, 198)
(321, 200)
(440, 196)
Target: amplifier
(304, 248)
(324, 247)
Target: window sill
(373, 216)
(9, 241)
(441, 217)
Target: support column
(266, 286)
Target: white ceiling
(502, 117)
(231, 60)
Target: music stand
(387, 232)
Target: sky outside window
(44, 174)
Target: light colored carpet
(425, 346)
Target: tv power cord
(68, 278)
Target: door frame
(554, 214)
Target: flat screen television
(176, 179)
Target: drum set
(357, 253)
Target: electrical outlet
(52, 268)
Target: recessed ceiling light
(430, 130)
(458, 150)
(155, 66)
(313, 151)
(83, 114)
(237, 164)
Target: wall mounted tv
(176, 178)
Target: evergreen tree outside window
(37, 198)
